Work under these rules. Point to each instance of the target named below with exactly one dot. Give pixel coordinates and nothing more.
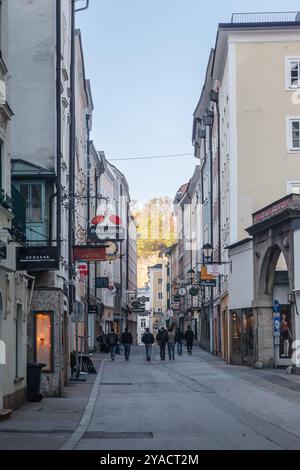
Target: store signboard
(37, 259)
(89, 253)
(102, 282)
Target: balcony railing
(5, 200)
(266, 17)
(19, 210)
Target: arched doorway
(273, 255)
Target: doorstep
(5, 414)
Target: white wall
(32, 28)
(297, 274)
(241, 285)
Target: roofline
(240, 243)
(250, 26)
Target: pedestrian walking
(171, 344)
(148, 340)
(112, 341)
(126, 341)
(162, 340)
(189, 336)
(179, 337)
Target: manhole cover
(117, 435)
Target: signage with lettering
(93, 310)
(103, 233)
(89, 253)
(37, 259)
(212, 283)
(272, 210)
(102, 282)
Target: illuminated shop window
(44, 339)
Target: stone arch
(268, 265)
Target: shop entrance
(242, 322)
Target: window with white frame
(294, 134)
(293, 187)
(159, 310)
(159, 296)
(293, 72)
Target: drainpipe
(71, 220)
(72, 154)
(88, 218)
(58, 132)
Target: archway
(273, 245)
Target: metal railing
(266, 17)
(5, 200)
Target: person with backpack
(112, 341)
(179, 337)
(126, 341)
(162, 340)
(171, 344)
(189, 336)
(148, 340)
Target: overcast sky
(146, 60)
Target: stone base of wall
(15, 400)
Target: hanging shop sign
(93, 309)
(193, 291)
(136, 304)
(37, 259)
(138, 311)
(102, 282)
(215, 270)
(3, 250)
(83, 268)
(212, 283)
(205, 276)
(106, 228)
(89, 253)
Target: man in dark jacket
(148, 340)
(179, 337)
(189, 336)
(112, 341)
(126, 340)
(162, 340)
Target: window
(293, 73)
(43, 339)
(293, 134)
(293, 187)
(159, 310)
(33, 194)
(143, 323)
(159, 296)
(159, 281)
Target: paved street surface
(193, 402)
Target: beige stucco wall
(263, 104)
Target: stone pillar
(264, 333)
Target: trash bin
(34, 372)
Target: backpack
(112, 338)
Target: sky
(146, 60)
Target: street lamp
(191, 276)
(207, 251)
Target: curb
(73, 440)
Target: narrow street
(194, 402)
